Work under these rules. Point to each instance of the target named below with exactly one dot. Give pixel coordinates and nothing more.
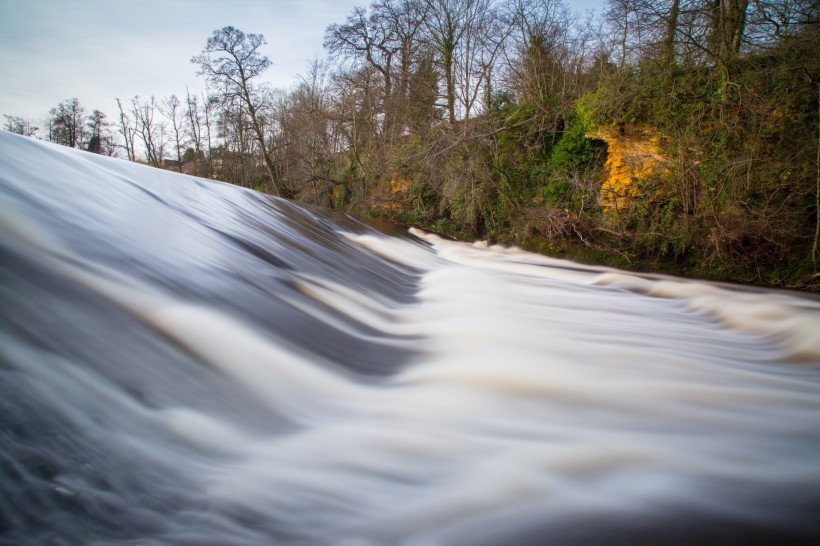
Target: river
(186, 362)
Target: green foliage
(423, 204)
(341, 194)
(576, 152)
(522, 152)
(661, 97)
(501, 101)
(733, 196)
(555, 193)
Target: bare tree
(310, 137)
(627, 21)
(483, 38)
(231, 60)
(174, 114)
(710, 30)
(445, 25)
(127, 130)
(405, 19)
(20, 126)
(151, 133)
(194, 114)
(237, 153)
(372, 40)
(66, 123)
(771, 21)
(548, 58)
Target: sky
(98, 50)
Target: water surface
(187, 362)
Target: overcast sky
(97, 50)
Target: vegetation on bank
(672, 135)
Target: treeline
(672, 134)
(68, 124)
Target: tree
(173, 113)
(541, 39)
(372, 40)
(668, 49)
(198, 131)
(422, 94)
(231, 60)
(151, 133)
(99, 138)
(20, 126)
(238, 150)
(483, 39)
(445, 27)
(309, 139)
(467, 37)
(728, 18)
(66, 123)
(405, 19)
(127, 131)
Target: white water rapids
(187, 362)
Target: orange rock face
(633, 156)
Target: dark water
(187, 362)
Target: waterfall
(187, 362)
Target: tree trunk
(271, 168)
(447, 58)
(671, 30)
(728, 24)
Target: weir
(187, 362)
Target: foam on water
(185, 362)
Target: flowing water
(187, 362)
